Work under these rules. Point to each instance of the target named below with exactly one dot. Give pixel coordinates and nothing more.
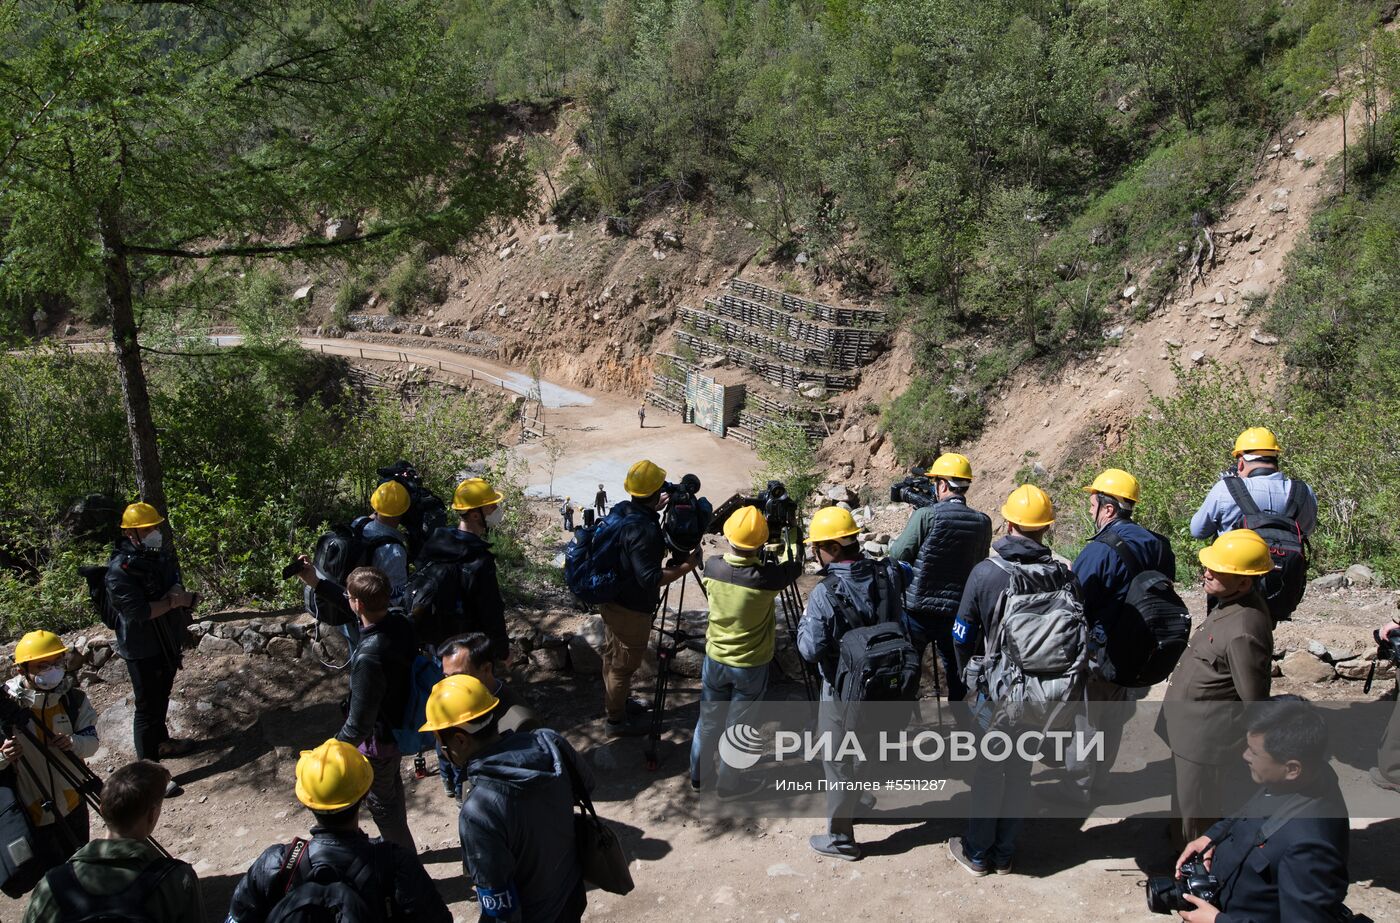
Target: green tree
(1013, 256)
(138, 139)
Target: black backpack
(876, 661)
(96, 577)
(1153, 623)
(324, 894)
(432, 600)
(1283, 588)
(75, 905)
(345, 548)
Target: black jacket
(482, 608)
(642, 548)
(137, 577)
(517, 831)
(379, 672)
(393, 873)
(981, 598)
(1301, 867)
(954, 538)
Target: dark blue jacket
(137, 577)
(517, 829)
(943, 542)
(1301, 867)
(482, 608)
(1105, 578)
(642, 548)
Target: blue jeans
(937, 631)
(1000, 793)
(738, 686)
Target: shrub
(786, 454)
(406, 283)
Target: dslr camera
(1168, 895)
(916, 490)
(778, 507)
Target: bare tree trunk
(145, 454)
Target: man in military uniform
(1229, 659)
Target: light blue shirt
(392, 558)
(1219, 513)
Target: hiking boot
(637, 707)
(835, 847)
(958, 850)
(628, 727)
(1380, 780)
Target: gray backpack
(1037, 659)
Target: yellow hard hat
(1240, 551)
(333, 777)
(951, 465)
(1116, 483)
(746, 528)
(474, 493)
(831, 524)
(390, 499)
(141, 516)
(1257, 441)
(644, 479)
(38, 645)
(459, 701)
(1029, 507)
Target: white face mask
(49, 678)
(496, 517)
(154, 540)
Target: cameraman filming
(1287, 847)
(1386, 773)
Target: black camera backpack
(1153, 624)
(1283, 588)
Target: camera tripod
(74, 771)
(669, 642)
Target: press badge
(498, 902)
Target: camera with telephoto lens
(686, 517)
(917, 490)
(1388, 648)
(1168, 895)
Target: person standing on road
(152, 612)
(516, 823)
(62, 719)
(122, 874)
(1104, 575)
(739, 637)
(292, 879)
(642, 417)
(600, 502)
(567, 511)
(1000, 790)
(627, 619)
(1229, 659)
(943, 542)
(379, 685)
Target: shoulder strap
(1240, 493)
(1294, 506)
(1295, 804)
(72, 703)
(1116, 542)
(296, 851)
(576, 783)
(74, 900)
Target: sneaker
(834, 847)
(628, 727)
(173, 789)
(694, 784)
(1381, 780)
(1002, 869)
(958, 850)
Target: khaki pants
(624, 648)
(1205, 792)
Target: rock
(842, 494)
(213, 644)
(303, 293)
(583, 658)
(1114, 333)
(801, 259)
(1039, 470)
(1173, 343)
(1219, 298)
(283, 648)
(1198, 357)
(1317, 649)
(1263, 339)
(1360, 575)
(98, 654)
(1337, 656)
(813, 391)
(502, 311)
(341, 228)
(1129, 292)
(854, 434)
(1302, 667)
(1213, 313)
(225, 630)
(845, 471)
(545, 297)
(1329, 582)
(1254, 291)
(252, 640)
(1361, 669)
(69, 330)
(203, 707)
(1278, 207)
(688, 663)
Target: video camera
(776, 504)
(1387, 648)
(1167, 894)
(917, 490)
(687, 516)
